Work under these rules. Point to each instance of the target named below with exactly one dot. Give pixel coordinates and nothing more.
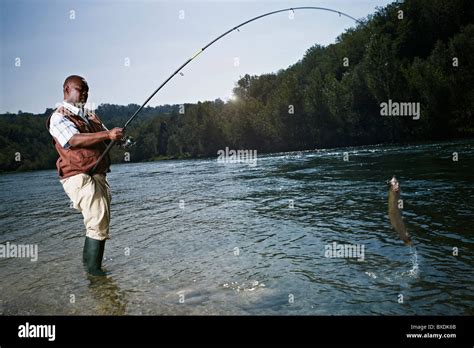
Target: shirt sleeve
(62, 129)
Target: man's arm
(90, 139)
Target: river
(198, 237)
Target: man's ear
(66, 90)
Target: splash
(371, 275)
(415, 270)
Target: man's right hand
(116, 134)
(90, 139)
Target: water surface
(199, 237)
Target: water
(237, 246)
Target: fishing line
(198, 52)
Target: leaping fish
(394, 211)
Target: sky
(126, 49)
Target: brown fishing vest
(76, 160)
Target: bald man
(80, 138)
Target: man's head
(76, 90)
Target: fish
(394, 211)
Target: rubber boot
(93, 255)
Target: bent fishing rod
(112, 142)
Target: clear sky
(96, 39)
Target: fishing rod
(111, 144)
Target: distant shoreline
(184, 157)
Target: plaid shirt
(63, 129)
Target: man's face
(77, 92)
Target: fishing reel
(126, 142)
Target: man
(80, 138)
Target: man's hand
(116, 134)
(90, 139)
